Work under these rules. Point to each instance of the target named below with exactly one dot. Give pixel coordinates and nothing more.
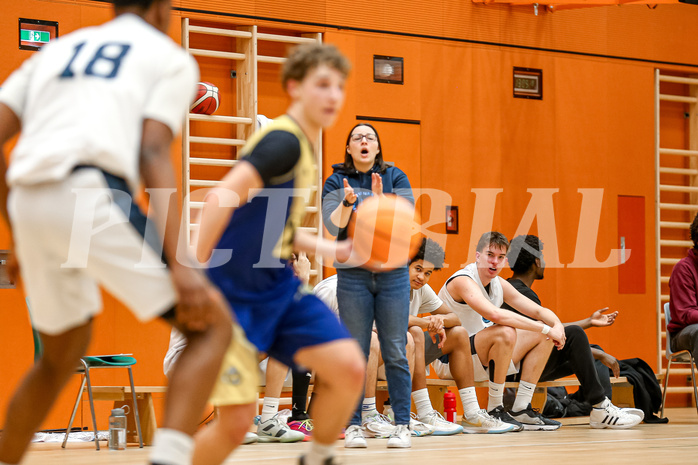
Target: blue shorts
(292, 320)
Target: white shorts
(480, 373)
(77, 234)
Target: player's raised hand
(349, 194)
(600, 319)
(376, 184)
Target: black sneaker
(500, 414)
(328, 461)
(533, 420)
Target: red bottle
(450, 406)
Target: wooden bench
(121, 395)
(622, 390)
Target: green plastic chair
(88, 363)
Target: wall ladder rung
(204, 183)
(211, 161)
(682, 152)
(674, 188)
(677, 98)
(673, 243)
(669, 261)
(220, 119)
(679, 80)
(216, 141)
(686, 171)
(214, 31)
(677, 206)
(285, 39)
(674, 224)
(268, 59)
(217, 54)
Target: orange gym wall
(592, 133)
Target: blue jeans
(365, 297)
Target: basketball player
(255, 215)
(500, 339)
(97, 109)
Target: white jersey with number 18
(82, 100)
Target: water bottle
(117, 428)
(450, 406)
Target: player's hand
(436, 323)
(301, 266)
(349, 194)
(611, 362)
(557, 334)
(376, 184)
(599, 319)
(442, 337)
(197, 298)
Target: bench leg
(623, 396)
(436, 395)
(146, 412)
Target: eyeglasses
(358, 137)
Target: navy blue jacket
(394, 182)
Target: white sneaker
(610, 416)
(354, 437)
(635, 411)
(377, 426)
(482, 422)
(441, 426)
(250, 438)
(401, 437)
(419, 429)
(274, 430)
(388, 412)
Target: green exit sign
(41, 37)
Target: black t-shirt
(523, 289)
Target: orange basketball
(385, 232)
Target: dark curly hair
(492, 238)
(694, 232)
(432, 252)
(523, 252)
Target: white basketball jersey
(84, 97)
(471, 320)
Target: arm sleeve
(275, 155)
(684, 296)
(170, 98)
(14, 90)
(332, 195)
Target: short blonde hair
(306, 57)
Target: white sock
(422, 402)
(368, 408)
(319, 453)
(269, 408)
(523, 396)
(469, 401)
(603, 404)
(172, 447)
(496, 393)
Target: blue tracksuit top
(394, 182)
